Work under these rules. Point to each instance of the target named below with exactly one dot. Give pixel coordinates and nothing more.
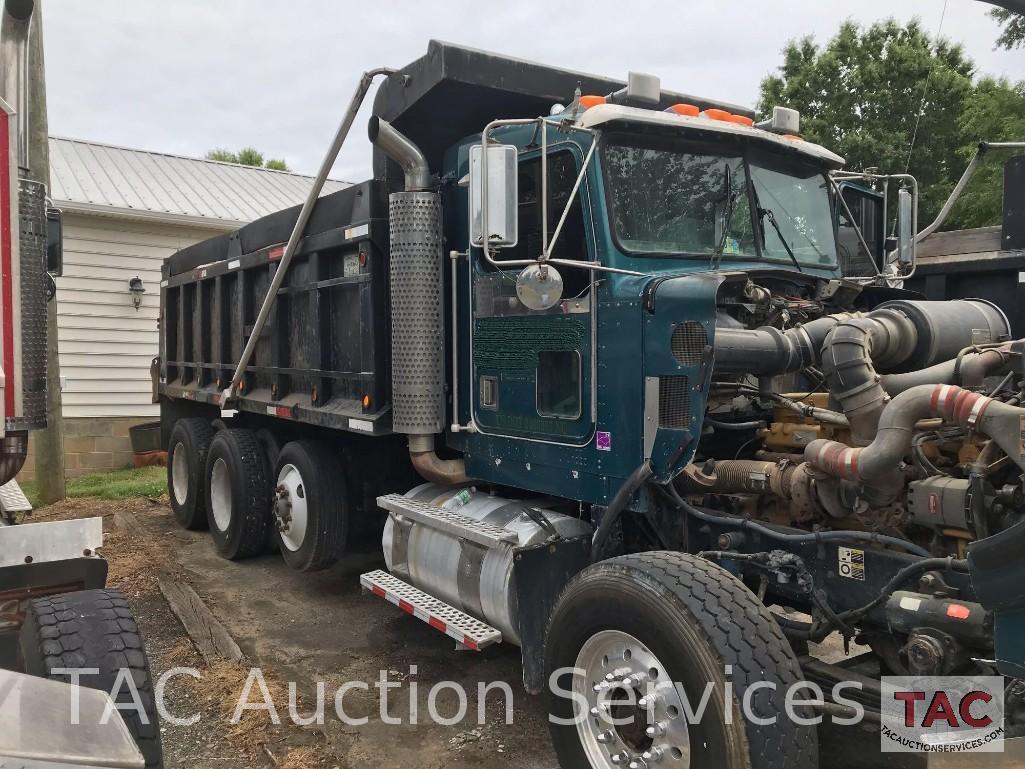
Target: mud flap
(20, 584)
(540, 573)
(998, 578)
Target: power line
(925, 91)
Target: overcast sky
(184, 76)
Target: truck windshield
(668, 199)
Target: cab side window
(562, 174)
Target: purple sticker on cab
(603, 441)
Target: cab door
(533, 371)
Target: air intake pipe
(768, 351)
(417, 307)
(902, 335)
(877, 465)
(15, 24)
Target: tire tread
(94, 629)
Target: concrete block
(79, 445)
(112, 444)
(99, 460)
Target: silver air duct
(901, 335)
(15, 23)
(417, 307)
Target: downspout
(417, 307)
(15, 25)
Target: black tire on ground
(696, 618)
(186, 456)
(237, 494)
(94, 629)
(314, 474)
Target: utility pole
(48, 444)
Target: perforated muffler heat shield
(417, 313)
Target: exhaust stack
(417, 307)
(15, 25)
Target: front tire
(674, 622)
(186, 465)
(238, 494)
(312, 507)
(94, 629)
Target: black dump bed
(323, 356)
(352, 204)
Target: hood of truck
(679, 333)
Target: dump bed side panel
(323, 356)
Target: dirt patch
(135, 559)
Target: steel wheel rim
(609, 663)
(293, 534)
(180, 474)
(220, 494)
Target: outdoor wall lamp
(137, 289)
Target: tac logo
(931, 714)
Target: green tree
(247, 156)
(860, 95)
(995, 112)
(1012, 33)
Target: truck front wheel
(638, 643)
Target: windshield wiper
(727, 218)
(766, 213)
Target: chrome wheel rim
(220, 494)
(636, 716)
(180, 474)
(294, 519)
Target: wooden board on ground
(211, 638)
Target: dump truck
(624, 378)
(64, 637)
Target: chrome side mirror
(494, 204)
(905, 228)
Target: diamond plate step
(13, 499)
(470, 632)
(448, 521)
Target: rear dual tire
(186, 471)
(229, 481)
(238, 494)
(316, 525)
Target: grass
(117, 484)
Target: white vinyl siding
(105, 344)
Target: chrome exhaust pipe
(15, 25)
(417, 301)
(400, 149)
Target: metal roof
(119, 181)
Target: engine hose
(619, 502)
(794, 539)
(739, 426)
